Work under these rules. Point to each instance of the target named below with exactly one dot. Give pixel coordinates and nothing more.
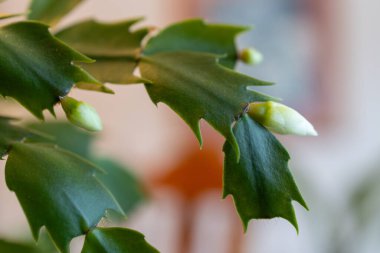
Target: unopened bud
(280, 119)
(81, 114)
(251, 56)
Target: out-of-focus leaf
(123, 185)
(57, 189)
(10, 133)
(50, 11)
(36, 68)
(364, 201)
(8, 15)
(45, 243)
(197, 36)
(260, 183)
(114, 46)
(99, 39)
(113, 70)
(66, 136)
(116, 240)
(195, 86)
(14, 247)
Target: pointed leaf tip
(116, 240)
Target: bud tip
(280, 118)
(251, 56)
(81, 114)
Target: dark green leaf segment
(188, 65)
(58, 190)
(260, 183)
(36, 68)
(195, 86)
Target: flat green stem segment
(57, 189)
(50, 11)
(114, 46)
(36, 68)
(197, 36)
(195, 86)
(116, 240)
(260, 183)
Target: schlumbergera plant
(189, 66)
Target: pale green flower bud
(251, 56)
(81, 114)
(280, 119)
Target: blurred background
(324, 57)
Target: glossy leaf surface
(195, 86)
(58, 190)
(116, 240)
(36, 68)
(260, 183)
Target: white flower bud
(280, 119)
(81, 114)
(251, 56)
